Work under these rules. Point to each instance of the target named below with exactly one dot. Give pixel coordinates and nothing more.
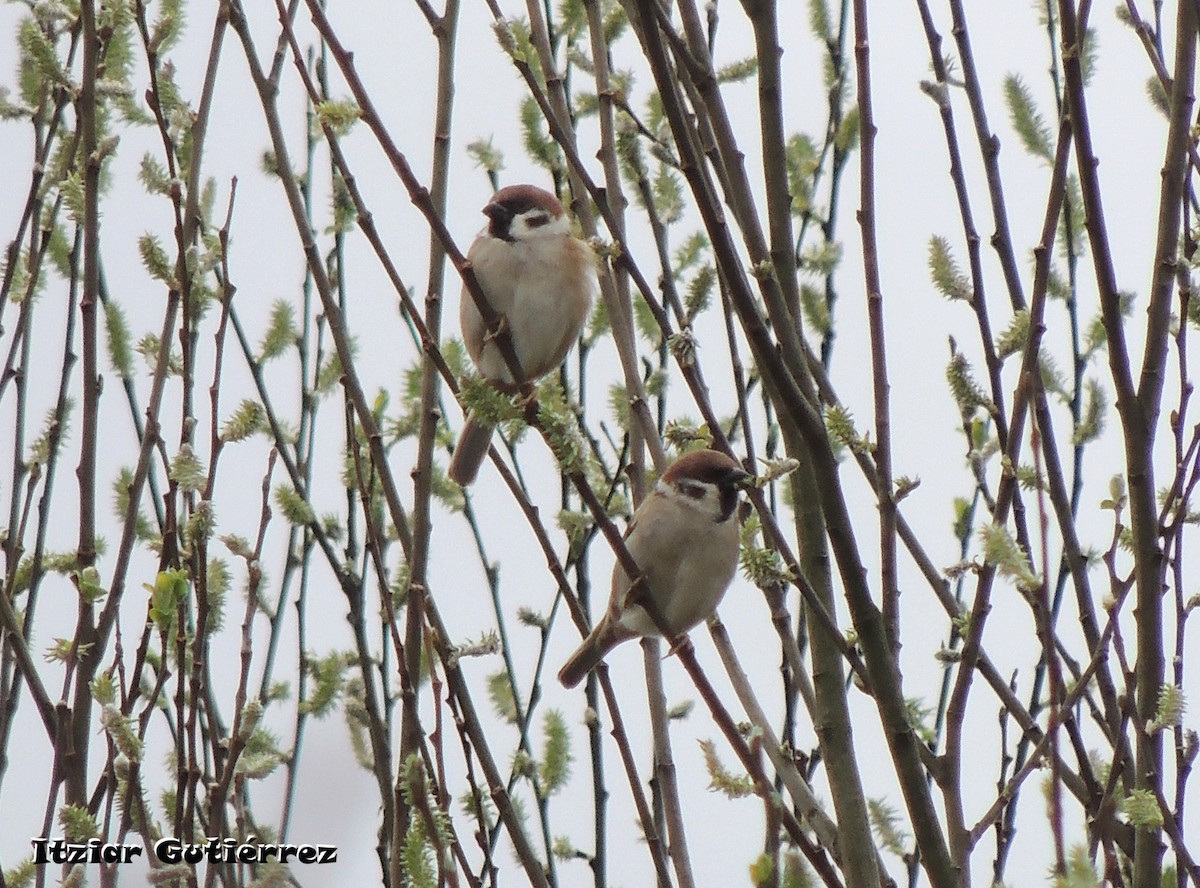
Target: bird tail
(594, 648)
(470, 453)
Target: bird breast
(543, 286)
(688, 558)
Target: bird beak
(497, 213)
(741, 478)
(499, 218)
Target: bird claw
(501, 329)
(679, 643)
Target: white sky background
(396, 59)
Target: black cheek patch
(498, 228)
(692, 490)
(538, 220)
(729, 501)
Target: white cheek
(521, 229)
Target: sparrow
(540, 279)
(684, 538)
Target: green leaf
(104, 690)
(839, 423)
(763, 566)
(1072, 224)
(73, 197)
(1171, 706)
(615, 22)
(684, 434)
(155, 260)
(39, 58)
(1089, 56)
(1080, 871)
(690, 253)
(116, 18)
(339, 116)
(572, 19)
(796, 873)
(486, 155)
(121, 485)
(821, 259)
(819, 21)
(120, 355)
(721, 779)
(645, 322)
(419, 848)
(847, 133)
(446, 491)
(170, 590)
(168, 26)
(122, 730)
(735, 72)
(329, 374)
(964, 516)
(62, 252)
(501, 693)
(944, 270)
(248, 419)
(918, 717)
(668, 195)
(1141, 807)
(78, 823)
(489, 405)
(513, 37)
(89, 584)
(328, 675)
(53, 434)
(886, 824)
(1026, 119)
(294, 506)
(10, 111)
(281, 331)
(555, 766)
(762, 870)
(149, 346)
(153, 176)
(216, 586)
(541, 149)
(1012, 340)
(342, 208)
(1157, 94)
(1053, 379)
(261, 757)
(815, 309)
(968, 394)
(187, 471)
(1091, 422)
(557, 420)
(699, 291)
(1002, 552)
(200, 523)
(802, 161)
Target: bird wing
(642, 538)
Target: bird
(540, 279)
(684, 539)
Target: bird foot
(678, 643)
(501, 329)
